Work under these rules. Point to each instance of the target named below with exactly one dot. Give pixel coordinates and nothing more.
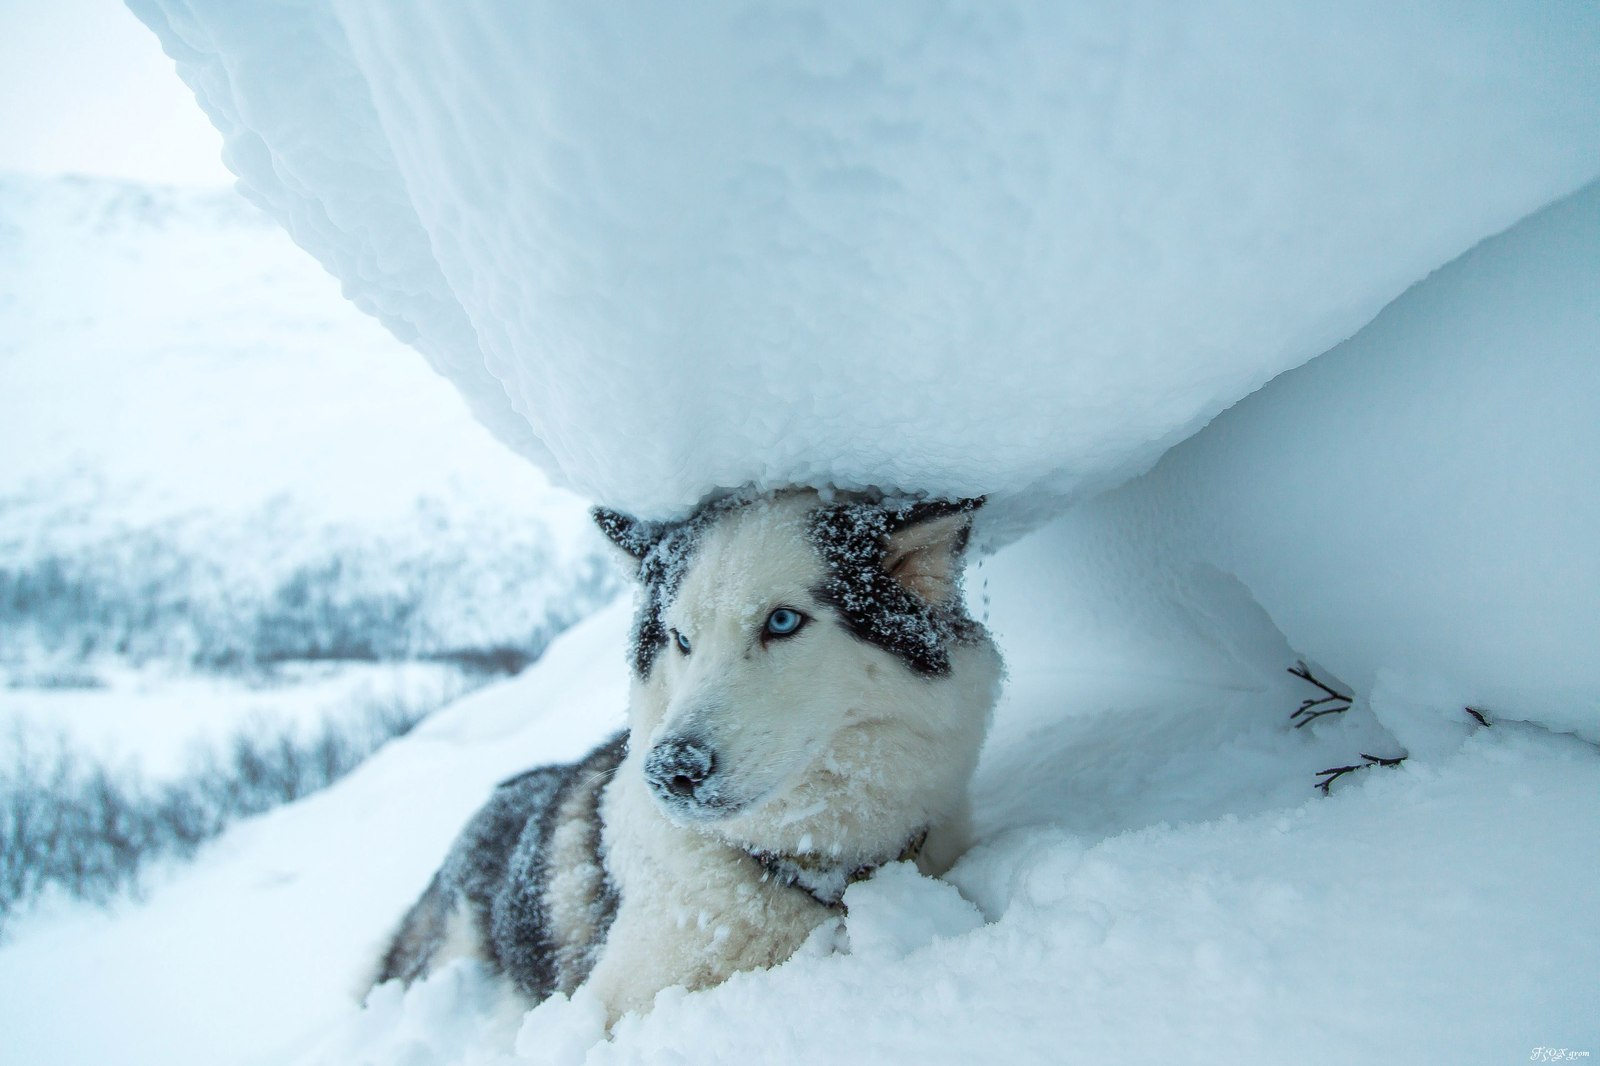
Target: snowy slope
(1000, 248)
(1157, 879)
(158, 724)
(262, 942)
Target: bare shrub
(75, 826)
(481, 590)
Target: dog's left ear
(925, 545)
(633, 536)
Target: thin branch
(1302, 671)
(1379, 760)
(1333, 773)
(1313, 708)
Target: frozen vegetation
(1275, 334)
(173, 491)
(218, 592)
(447, 581)
(76, 825)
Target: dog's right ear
(923, 551)
(632, 536)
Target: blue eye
(784, 622)
(683, 641)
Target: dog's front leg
(698, 940)
(691, 910)
(625, 978)
(639, 959)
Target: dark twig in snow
(1482, 718)
(1334, 702)
(1333, 773)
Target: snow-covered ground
(159, 722)
(1007, 249)
(1158, 879)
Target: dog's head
(803, 667)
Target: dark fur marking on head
(853, 540)
(664, 551)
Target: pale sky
(86, 89)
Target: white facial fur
(825, 744)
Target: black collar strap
(823, 881)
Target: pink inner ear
(927, 572)
(923, 558)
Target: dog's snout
(677, 768)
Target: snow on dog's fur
(808, 701)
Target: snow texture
(1156, 880)
(1006, 249)
(1001, 248)
(1156, 875)
(1417, 509)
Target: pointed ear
(633, 537)
(923, 551)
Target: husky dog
(809, 695)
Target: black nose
(677, 768)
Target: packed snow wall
(996, 247)
(1415, 511)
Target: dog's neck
(826, 881)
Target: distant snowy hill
(211, 458)
(176, 345)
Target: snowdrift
(998, 248)
(1419, 509)
(1415, 511)
(1158, 879)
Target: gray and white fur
(808, 700)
